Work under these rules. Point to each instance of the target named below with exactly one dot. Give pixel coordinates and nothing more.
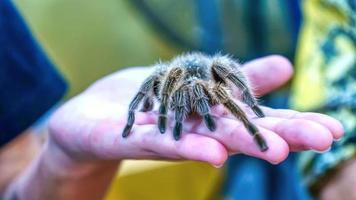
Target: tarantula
(192, 83)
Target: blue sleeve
(29, 84)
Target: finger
(189, 147)
(300, 134)
(143, 118)
(268, 73)
(197, 147)
(146, 142)
(237, 140)
(334, 126)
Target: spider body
(192, 83)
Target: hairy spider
(192, 83)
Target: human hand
(88, 127)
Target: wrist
(57, 175)
(66, 164)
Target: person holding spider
(85, 147)
(85, 144)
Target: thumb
(268, 73)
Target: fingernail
(317, 151)
(218, 166)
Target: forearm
(54, 175)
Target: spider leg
(201, 104)
(179, 105)
(225, 99)
(240, 81)
(147, 104)
(174, 76)
(143, 91)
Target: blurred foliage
(89, 39)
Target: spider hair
(192, 83)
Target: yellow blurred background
(87, 40)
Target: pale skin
(85, 145)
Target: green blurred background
(87, 40)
